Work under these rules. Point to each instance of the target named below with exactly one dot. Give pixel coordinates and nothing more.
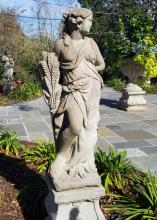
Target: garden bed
(130, 193)
(22, 190)
(5, 100)
(21, 92)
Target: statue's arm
(58, 46)
(100, 64)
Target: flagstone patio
(136, 132)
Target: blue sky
(25, 9)
(26, 5)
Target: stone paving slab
(131, 152)
(146, 162)
(152, 130)
(115, 139)
(136, 131)
(18, 128)
(151, 122)
(132, 144)
(36, 127)
(152, 141)
(149, 150)
(3, 111)
(105, 132)
(135, 134)
(132, 125)
(38, 136)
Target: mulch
(22, 190)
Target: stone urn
(132, 95)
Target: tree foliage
(25, 50)
(119, 26)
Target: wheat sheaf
(50, 77)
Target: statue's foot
(58, 166)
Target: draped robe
(82, 83)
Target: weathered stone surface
(79, 203)
(132, 144)
(131, 152)
(133, 125)
(152, 130)
(41, 136)
(132, 98)
(8, 65)
(149, 150)
(135, 134)
(74, 105)
(146, 162)
(115, 139)
(152, 141)
(104, 132)
(37, 126)
(18, 128)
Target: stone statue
(8, 65)
(7, 79)
(72, 88)
(77, 114)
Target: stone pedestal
(133, 98)
(74, 204)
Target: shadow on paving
(25, 108)
(74, 214)
(110, 103)
(30, 185)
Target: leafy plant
(41, 155)
(115, 170)
(26, 91)
(149, 88)
(119, 27)
(116, 83)
(9, 142)
(148, 59)
(143, 206)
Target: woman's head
(78, 19)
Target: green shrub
(116, 172)
(41, 155)
(147, 87)
(9, 142)
(116, 83)
(141, 206)
(26, 92)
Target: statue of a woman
(75, 121)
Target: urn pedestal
(73, 204)
(132, 98)
(132, 95)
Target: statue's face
(87, 24)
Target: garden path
(136, 132)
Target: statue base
(74, 204)
(133, 98)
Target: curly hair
(74, 18)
